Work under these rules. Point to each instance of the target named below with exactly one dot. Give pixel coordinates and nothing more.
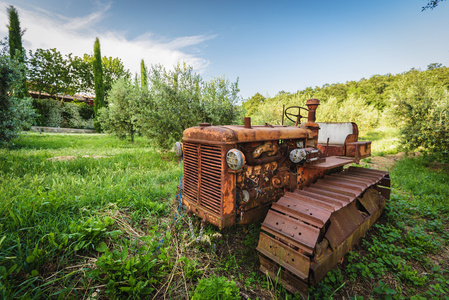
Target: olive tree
(179, 98)
(120, 117)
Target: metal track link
(306, 232)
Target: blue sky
(270, 46)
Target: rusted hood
(232, 134)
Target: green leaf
(124, 253)
(102, 247)
(79, 245)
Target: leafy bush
(180, 99)
(216, 288)
(120, 117)
(54, 113)
(422, 114)
(15, 114)
(352, 109)
(85, 110)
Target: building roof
(66, 98)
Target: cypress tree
(143, 76)
(15, 34)
(16, 50)
(99, 84)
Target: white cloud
(47, 30)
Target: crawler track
(307, 232)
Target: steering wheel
(297, 116)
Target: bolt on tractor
(295, 178)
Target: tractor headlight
(178, 149)
(298, 155)
(235, 159)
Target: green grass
(45, 203)
(92, 227)
(384, 141)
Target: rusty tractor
(295, 178)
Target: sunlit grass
(42, 197)
(385, 140)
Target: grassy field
(91, 217)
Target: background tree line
(416, 102)
(53, 73)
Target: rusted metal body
(293, 177)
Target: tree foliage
(143, 76)
(16, 113)
(375, 91)
(120, 116)
(54, 113)
(98, 79)
(82, 74)
(173, 103)
(113, 70)
(51, 73)
(432, 4)
(252, 103)
(352, 109)
(219, 99)
(16, 50)
(15, 34)
(421, 112)
(174, 100)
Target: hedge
(54, 113)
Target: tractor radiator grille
(203, 175)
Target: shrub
(16, 114)
(71, 116)
(120, 117)
(180, 99)
(50, 112)
(54, 113)
(422, 113)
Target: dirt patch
(386, 162)
(61, 158)
(96, 156)
(439, 167)
(70, 157)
